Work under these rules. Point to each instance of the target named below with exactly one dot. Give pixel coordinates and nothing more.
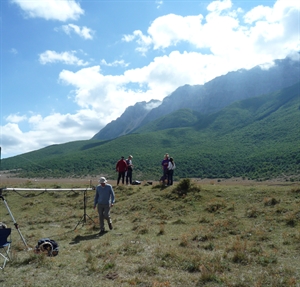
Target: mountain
(210, 97)
(129, 121)
(257, 138)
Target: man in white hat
(104, 200)
(129, 170)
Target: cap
(102, 180)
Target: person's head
(102, 181)
(171, 159)
(122, 157)
(166, 156)
(130, 157)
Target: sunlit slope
(257, 137)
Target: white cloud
(53, 129)
(266, 33)
(171, 29)
(51, 9)
(68, 58)
(83, 32)
(258, 13)
(158, 3)
(16, 118)
(221, 41)
(116, 63)
(218, 6)
(109, 95)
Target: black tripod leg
(83, 218)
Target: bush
(186, 186)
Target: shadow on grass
(80, 238)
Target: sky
(68, 68)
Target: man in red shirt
(121, 168)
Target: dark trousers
(164, 178)
(121, 174)
(129, 176)
(170, 177)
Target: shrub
(186, 186)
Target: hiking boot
(110, 226)
(102, 231)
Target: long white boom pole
(47, 189)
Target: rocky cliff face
(208, 98)
(129, 120)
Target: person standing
(164, 165)
(121, 168)
(129, 169)
(171, 167)
(104, 200)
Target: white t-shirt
(171, 166)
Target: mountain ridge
(213, 95)
(254, 138)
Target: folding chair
(5, 245)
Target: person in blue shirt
(104, 200)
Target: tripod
(85, 215)
(14, 221)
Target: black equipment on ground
(47, 246)
(5, 245)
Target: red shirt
(121, 165)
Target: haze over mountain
(208, 98)
(258, 137)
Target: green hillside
(254, 138)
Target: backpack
(47, 246)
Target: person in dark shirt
(121, 168)
(164, 165)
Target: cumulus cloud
(51, 10)
(53, 129)
(83, 32)
(224, 33)
(116, 63)
(218, 6)
(68, 58)
(223, 40)
(16, 118)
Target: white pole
(46, 189)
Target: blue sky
(70, 67)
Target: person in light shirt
(104, 200)
(171, 167)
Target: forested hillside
(254, 138)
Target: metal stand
(83, 218)
(14, 221)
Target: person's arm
(96, 199)
(112, 197)
(169, 165)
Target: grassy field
(210, 233)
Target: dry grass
(191, 234)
